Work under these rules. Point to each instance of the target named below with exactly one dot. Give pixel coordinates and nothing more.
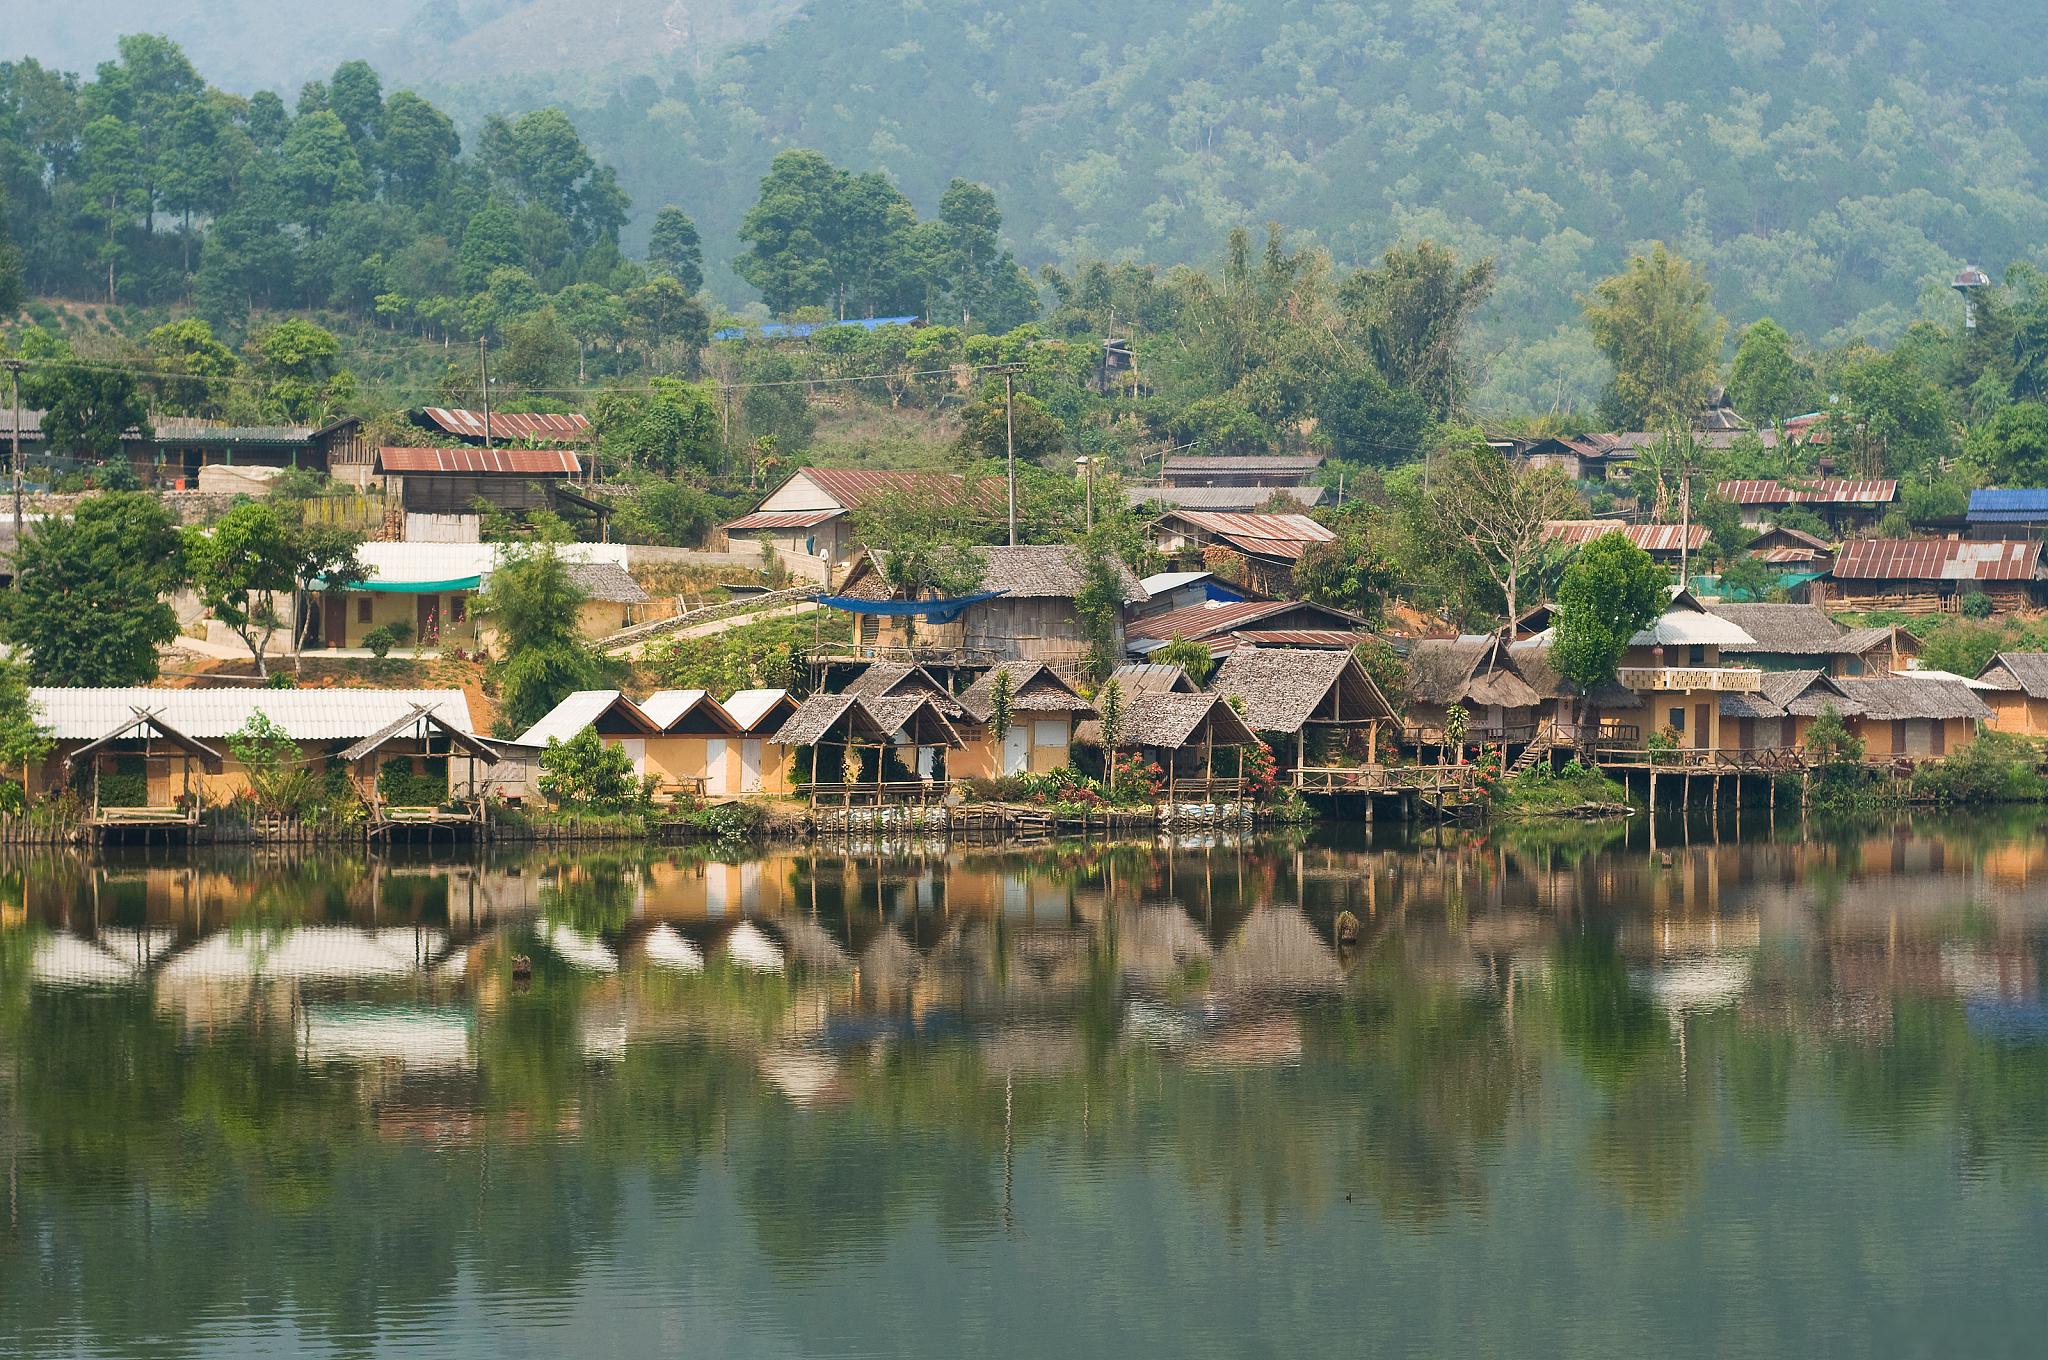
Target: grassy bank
(1569, 790)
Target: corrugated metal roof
(667, 705)
(1161, 582)
(484, 462)
(399, 563)
(2018, 505)
(1576, 533)
(31, 422)
(1209, 619)
(1200, 464)
(855, 487)
(1938, 559)
(573, 427)
(1320, 638)
(779, 519)
(1818, 491)
(214, 714)
(1221, 497)
(749, 707)
(574, 713)
(1287, 528)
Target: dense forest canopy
(1825, 163)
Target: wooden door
(750, 765)
(714, 765)
(333, 621)
(1017, 749)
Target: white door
(750, 765)
(1017, 749)
(636, 751)
(927, 761)
(714, 765)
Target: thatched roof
(1790, 693)
(1475, 670)
(2026, 671)
(1171, 721)
(1896, 697)
(1857, 641)
(1282, 689)
(920, 715)
(1532, 662)
(1152, 677)
(894, 679)
(1783, 629)
(1024, 572)
(821, 713)
(1034, 688)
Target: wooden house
(1799, 637)
(1224, 627)
(458, 481)
(1285, 693)
(1926, 575)
(2018, 512)
(1792, 550)
(1182, 734)
(2018, 698)
(1267, 545)
(1481, 674)
(179, 446)
(1902, 715)
(1268, 471)
(1043, 710)
(1666, 544)
(811, 513)
(496, 428)
(1776, 715)
(1843, 504)
(872, 750)
(1677, 669)
(1024, 607)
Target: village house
(762, 765)
(871, 749)
(1182, 734)
(1225, 626)
(1677, 669)
(1900, 715)
(1267, 545)
(1225, 498)
(1024, 607)
(1043, 710)
(1291, 694)
(497, 428)
(1167, 591)
(686, 742)
(1599, 458)
(1797, 556)
(1798, 637)
(1481, 674)
(2021, 512)
(1775, 717)
(2018, 693)
(429, 590)
(811, 513)
(169, 751)
(178, 448)
(463, 482)
(1666, 544)
(1926, 575)
(1270, 471)
(1842, 504)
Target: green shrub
(399, 786)
(381, 639)
(1976, 605)
(1997, 767)
(588, 772)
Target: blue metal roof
(799, 330)
(2017, 505)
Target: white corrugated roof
(574, 713)
(667, 705)
(748, 706)
(213, 714)
(405, 562)
(1687, 624)
(1164, 581)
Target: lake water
(1566, 1094)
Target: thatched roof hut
(1034, 688)
(1285, 689)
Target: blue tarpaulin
(938, 611)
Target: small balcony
(1677, 679)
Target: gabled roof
(215, 714)
(869, 719)
(922, 715)
(481, 462)
(1034, 688)
(422, 723)
(855, 487)
(1257, 535)
(755, 709)
(579, 710)
(1781, 629)
(607, 582)
(1196, 465)
(1857, 641)
(779, 519)
(1938, 559)
(1024, 572)
(1152, 678)
(1211, 619)
(150, 727)
(1785, 536)
(1170, 721)
(1480, 669)
(1801, 693)
(1808, 491)
(2023, 671)
(571, 428)
(667, 708)
(1282, 689)
(1895, 697)
(2018, 505)
(1685, 622)
(1652, 538)
(894, 679)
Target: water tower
(1967, 283)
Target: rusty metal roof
(573, 428)
(1210, 619)
(1817, 491)
(1938, 559)
(1202, 464)
(1320, 638)
(779, 519)
(1282, 536)
(1576, 533)
(854, 487)
(493, 462)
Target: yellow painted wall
(2012, 711)
(982, 755)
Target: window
(1695, 656)
(1678, 720)
(362, 609)
(458, 608)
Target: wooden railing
(1382, 778)
(174, 815)
(919, 791)
(1721, 679)
(1185, 790)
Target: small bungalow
(401, 772)
(167, 749)
(1842, 503)
(1024, 607)
(684, 740)
(1269, 545)
(1170, 590)
(694, 752)
(1043, 710)
(810, 514)
(867, 749)
(1775, 717)
(1792, 549)
(503, 427)
(1284, 692)
(1798, 637)
(1901, 715)
(1224, 627)
(430, 589)
(1926, 575)
(1180, 733)
(1676, 667)
(1225, 498)
(512, 481)
(179, 446)
(1665, 543)
(2018, 698)
(2020, 512)
(1270, 471)
(763, 766)
(1481, 674)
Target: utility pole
(483, 364)
(1010, 440)
(14, 367)
(1087, 492)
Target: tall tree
(675, 248)
(88, 606)
(1412, 312)
(416, 145)
(1769, 379)
(88, 404)
(1657, 327)
(1611, 591)
(115, 184)
(240, 564)
(1496, 509)
(790, 230)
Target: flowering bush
(1134, 780)
(1261, 782)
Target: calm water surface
(1566, 1093)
